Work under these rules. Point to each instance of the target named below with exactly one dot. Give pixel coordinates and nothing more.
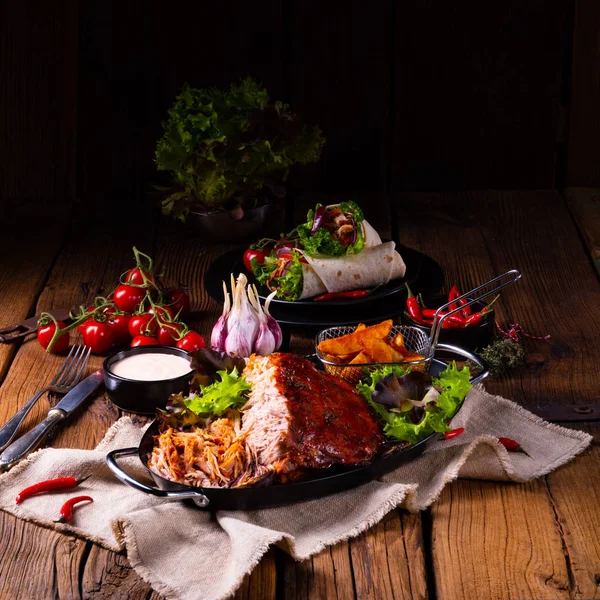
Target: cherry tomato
(108, 310)
(45, 334)
(98, 336)
(135, 276)
(168, 334)
(192, 341)
(82, 326)
(143, 340)
(179, 302)
(141, 324)
(250, 254)
(120, 326)
(127, 298)
(165, 313)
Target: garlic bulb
(219, 332)
(245, 327)
(242, 323)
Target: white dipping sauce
(151, 367)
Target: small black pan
(332, 480)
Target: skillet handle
(111, 460)
(485, 370)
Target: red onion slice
(285, 269)
(319, 214)
(354, 232)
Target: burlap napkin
(187, 553)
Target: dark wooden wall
(426, 95)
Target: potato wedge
(411, 356)
(398, 342)
(378, 349)
(340, 358)
(362, 358)
(345, 344)
(379, 331)
(354, 374)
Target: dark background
(427, 95)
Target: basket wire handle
(514, 275)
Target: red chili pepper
(453, 295)
(412, 305)
(454, 433)
(419, 320)
(466, 311)
(456, 319)
(337, 295)
(511, 445)
(66, 511)
(50, 485)
(479, 317)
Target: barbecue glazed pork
(299, 418)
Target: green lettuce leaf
(454, 383)
(216, 398)
(321, 242)
(289, 287)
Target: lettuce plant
(227, 148)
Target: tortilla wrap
(371, 236)
(373, 266)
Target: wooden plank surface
(388, 560)
(22, 279)
(38, 101)
(491, 540)
(584, 112)
(134, 60)
(584, 204)
(574, 491)
(87, 266)
(480, 540)
(345, 90)
(478, 94)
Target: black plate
(329, 481)
(385, 302)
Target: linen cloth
(188, 553)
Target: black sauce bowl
(143, 397)
(475, 337)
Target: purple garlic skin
(219, 332)
(242, 324)
(272, 323)
(219, 335)
(265, 342)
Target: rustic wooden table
(480, 539)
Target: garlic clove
(243, 322)
(272, 323)
(219, 332)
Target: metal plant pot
(220, 226)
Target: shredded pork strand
(212, 456)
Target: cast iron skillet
(334, 479)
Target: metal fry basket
(415, 339)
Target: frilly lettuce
(454, 385)
(216, 398)
(289, 286)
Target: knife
(28, 326)
(63, 410)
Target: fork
(67, 377)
